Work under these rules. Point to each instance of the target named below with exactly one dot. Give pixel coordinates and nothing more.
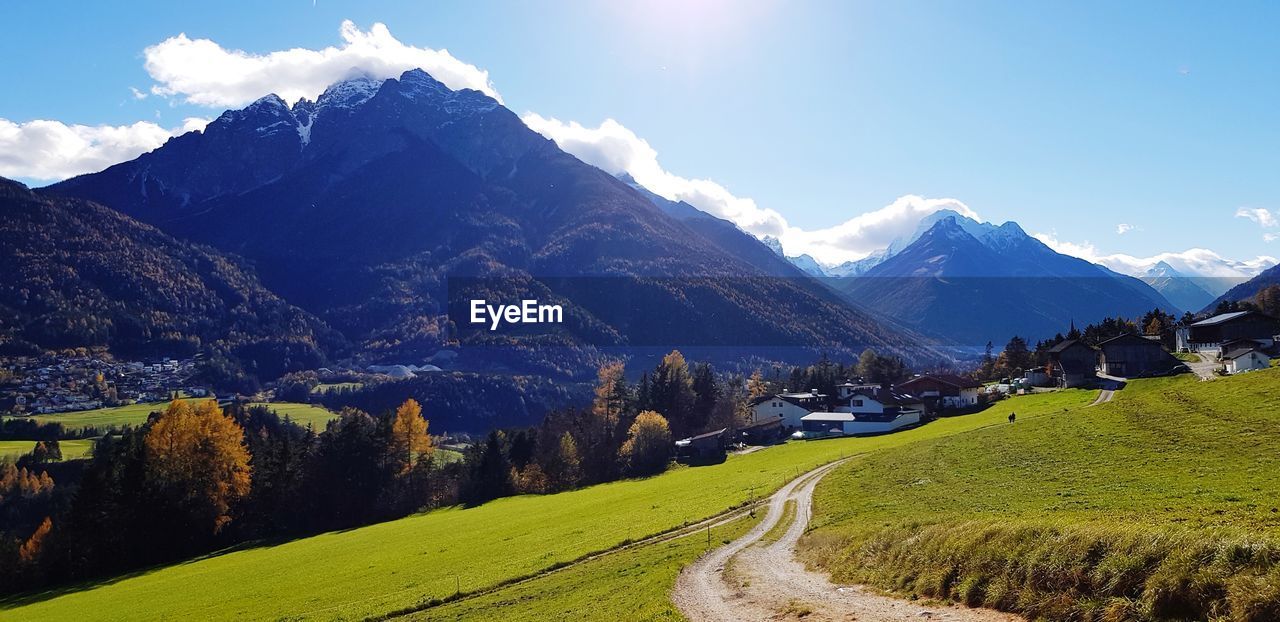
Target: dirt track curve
(752, 580)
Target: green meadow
(1163, 504)
(136, 414)
(407, 563)
(71, 449)
(113, 417)
(303, 414)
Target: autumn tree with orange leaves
(196, 456)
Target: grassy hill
(406, 563)
(71, 449)
(1162, 504)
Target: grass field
(630, 585)
(136, 414)
(114, 417)
(396, 565)
(1187, 356)
(71, 449)
(336, 386)
(303, 414)
(1162, 504)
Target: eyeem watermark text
(527, 312)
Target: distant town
(57, 384)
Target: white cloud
(1192, 262)
(1270, 237)
(1260, 215)
(200, 71)
(1123, 228)
(52, 150)
(139, 95)
(615, 149)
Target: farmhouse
(761, 433)
(1208, 336)
(787, 407)
(1246, 358)
(943, 390)
(1133, 356)
(1073, 363)
(708, 447)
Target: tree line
(197, 477)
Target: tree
(409, 439)
(563, 465)
(1268, 300)
(756, 386)
(45, 452)
(706, 393)
(30, 552)
(491, 472)
(196, 456)
(648, 445)
(610, 394)
(1015, 358)
(672, 393)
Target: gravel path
(752, 580)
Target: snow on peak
(349, 93)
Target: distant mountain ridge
(78, 274)
(1248, 289)
(970, 283)
(361, 205)
(1188, 293)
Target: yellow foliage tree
(409, 439)
(648, 445)
(610, 398)
(197, 454)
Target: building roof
(834, 417)
(1240, 352)
(888, 397)
(1067, 344)
(702, 437)
(1221, 318)
(951, 379)
(1129, 339)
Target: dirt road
(750, 579)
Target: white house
(1245, 359)
(789, 407)
(852, 424)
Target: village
(57, 384)
(1224, 344)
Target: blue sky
(1070, 118)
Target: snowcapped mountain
(1208, 270)
(970, 283)
(359, 207)
(1184, 291)
(806, 263)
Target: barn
(1133, 356)
(1211, 333)
(1073, 363)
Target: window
(857, 403)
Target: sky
(1120, 132)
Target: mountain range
(360, 206)
(970, 283)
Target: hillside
(1158, 505)
(1250, 288)
(81, 275)
(407, 563)
(360, 207)
(970, 283)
